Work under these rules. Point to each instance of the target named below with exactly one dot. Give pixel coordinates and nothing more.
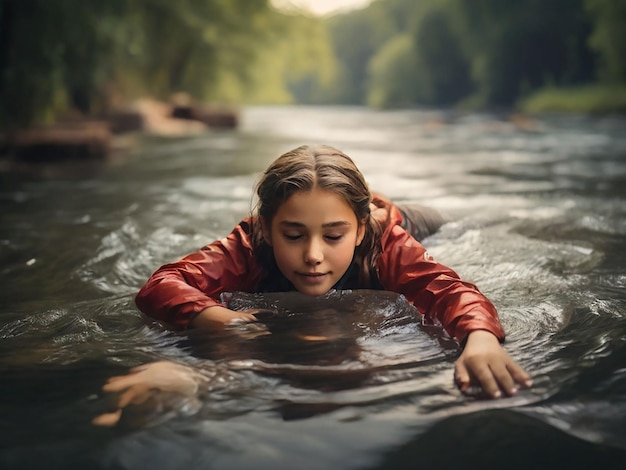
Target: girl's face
(313, 235)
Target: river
(536, 211)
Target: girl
(317, 227)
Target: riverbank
(87, 137)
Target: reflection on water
(537, 219)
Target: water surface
(537, 218)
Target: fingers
(487, 380)
(135, 395)
(262, 313)
(250, 324)
(242, 317)
(120, 382)
(143, 384)
(462, 377)
(495, 376)
(503, 380)
(107, 419)
(510, 376)
(117, 384)
(520, 375)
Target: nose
(314, 253)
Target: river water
(537, 218)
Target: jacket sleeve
(176, 292)
(435, 290)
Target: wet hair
(323, 167)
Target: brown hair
(324, 167)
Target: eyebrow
(339, 223)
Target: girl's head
(306, 168)
(329, 175)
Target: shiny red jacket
(176, 292)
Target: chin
(313, 291)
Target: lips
(313, 277)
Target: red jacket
(177, 291)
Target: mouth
(313, 277)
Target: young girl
(317, 227)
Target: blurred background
(66, 58)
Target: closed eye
(292, 236)
(334, 238)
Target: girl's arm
(461, 309)
(179, 292)
(438, 292)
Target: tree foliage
(519, 46)
(609, 37)
(48, 58)
(298, 66)
(492, 51)
(87, 55)
(64, 54)
(393, 74)
(444, 68)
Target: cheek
(283, 253)
(346, 250)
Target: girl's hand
(142, 383)
(484, 363)
(217, 317)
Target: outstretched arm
(461, 309)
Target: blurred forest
(92, 56)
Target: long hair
(324, 167)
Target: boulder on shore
(126, 120)
(212, 117)
(81, 137)
(61, 141)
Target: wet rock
(62, 141)
(159, 121)
(213, 117)
(125, 120)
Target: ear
(265, 229)
(360, 233)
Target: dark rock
(125, 120)
(213, 117)
(62, 141)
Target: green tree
(394, 80)
(358, 36)
(354, 45)
(408, 54)
(609, 37)
(52, 54)
(516, 47)
(443, 67)
(64, 54)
